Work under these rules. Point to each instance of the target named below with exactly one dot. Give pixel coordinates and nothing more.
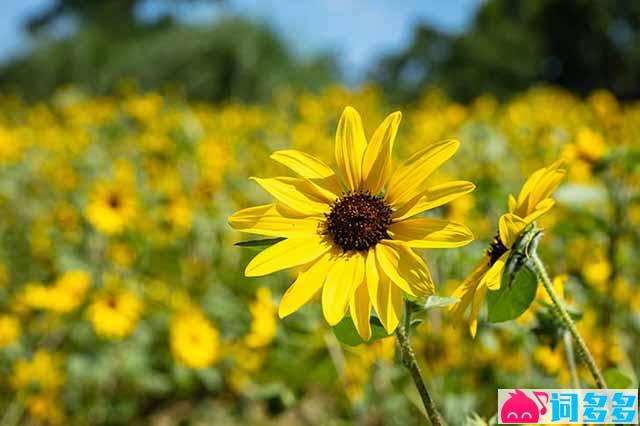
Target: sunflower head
(496, 249)
(351, 234)
(358, 221)
(533, 201)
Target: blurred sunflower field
(123, 299)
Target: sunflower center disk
(496, 249)
(357, 221)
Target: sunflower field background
(122, 295)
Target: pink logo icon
(519, 408)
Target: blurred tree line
(231, 57)
(510, 45)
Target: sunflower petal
(509, 227)
(512, 203)
(547, 184)
(404, 268)
(405, 181)
(344, 277)
(351, 144)
(526, 190)
(267, 220)
(466, 292)
(493, 277)
(431, 233)
(385, 297)
(308, 167)
(296, 194)
(433, 197)
(302, 163)
(478, 297)
(286, 254)
(360, 310)
(376, 164)
(539, 186)
(309, 281)
(541, 208)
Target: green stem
(409, 361)
(408, 311)
(571, 359)
(564, 316)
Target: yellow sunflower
(112, 207)
(351, 234)
(533, 201)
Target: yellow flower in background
(122, 254)
(533, 201)
(114, 313)
(9, 330)
(551, 360)
(352, 236)
(179, 213)
(194, 340)
(46, 407)
(263, 322)
(144, 108)
(63, 296)
(68, 291)
(42, 372)
(246, 362)
(34, 295)
(597, 272)
(589, 147)
(11, 145)
(112, 207)
(359, 361)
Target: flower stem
(409, 361)
(564, 316)
(571, 359)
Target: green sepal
(346, 332)
(259, 245)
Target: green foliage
(579, 45)
(232, 58)
(259, 245)
(346, 332)
(616, 379)
(511, 301)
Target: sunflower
(114, 313)
(194, 340)
(533, 201)
(112, 207)
(351, 234)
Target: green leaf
(259, 245)
(416, 322)
(510, 301)
(346, 332)
(434, 302)
(616, 379)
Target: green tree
(579, 44)
(230, 58)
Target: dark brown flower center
(357, 221)
(114, 201)
(496, 249)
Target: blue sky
(358, 31)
